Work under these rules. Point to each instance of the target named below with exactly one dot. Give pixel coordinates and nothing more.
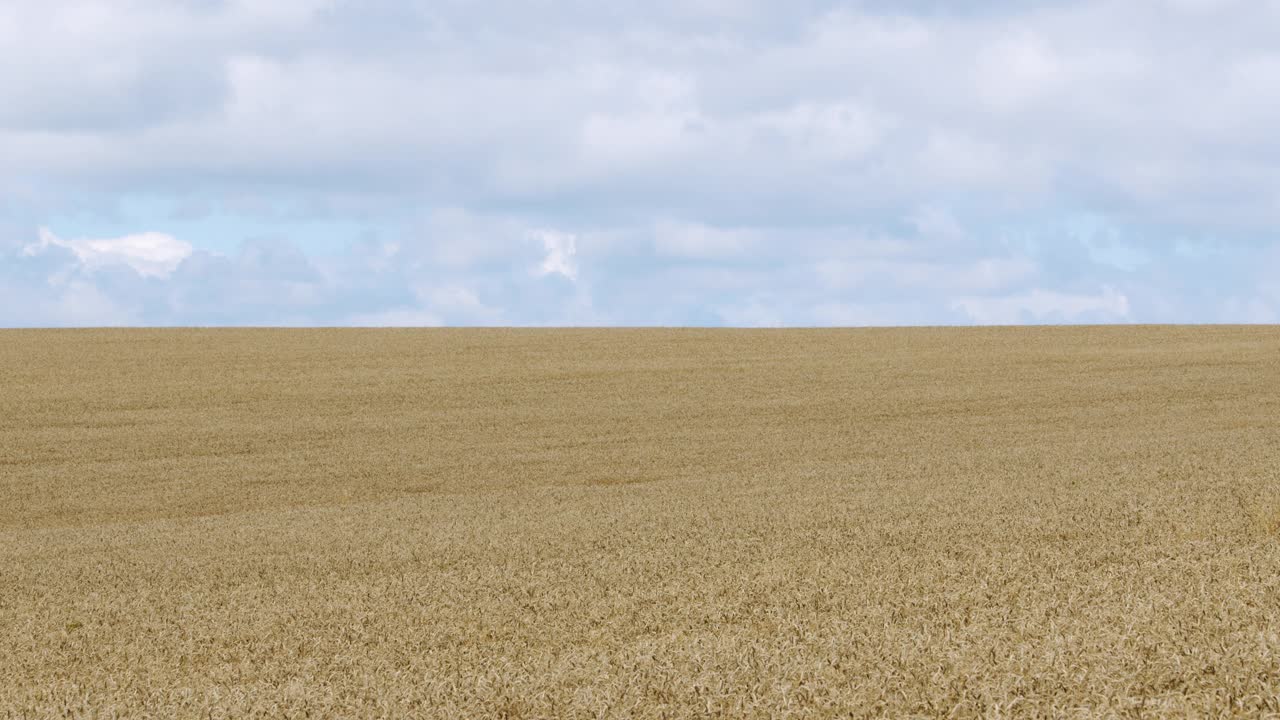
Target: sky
(638, 162)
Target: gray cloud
(731, 110)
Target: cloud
(1040, 305)
(396, 318)
(714, 115)
(150, 254)
(76, 303)
(560, 249)
(747, 162)
(850, 280)
(699, 241)
(755, 313)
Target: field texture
(1071, 522)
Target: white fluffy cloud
(150, 254)
(560, 251)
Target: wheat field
(981, 522)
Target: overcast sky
(620, 162)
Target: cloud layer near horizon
(744, 163)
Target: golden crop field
(1002, 522)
